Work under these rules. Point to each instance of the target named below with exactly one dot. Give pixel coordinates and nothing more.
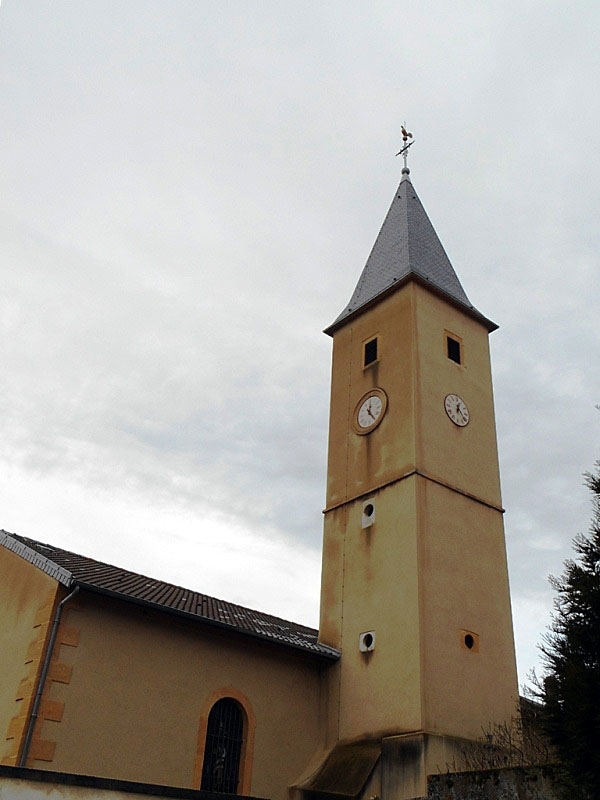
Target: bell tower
(415, 585)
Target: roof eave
(66, 578)
(331, 656)
(471, 311)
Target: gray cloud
(190, 193)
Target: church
(112, 674)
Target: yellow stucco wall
(375, 587)
(464, 589)
(137, 686)
(466, 458)
(359, 463)
(433, 565)
(463, 569)
(416, 374)
(27, 597)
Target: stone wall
(532, 783)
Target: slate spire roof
(406, 248)
(71, 569)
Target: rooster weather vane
(405, 144)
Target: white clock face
(369, 411)
(457, 410)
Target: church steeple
(406, 248)
(414, 581)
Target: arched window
(223, 748)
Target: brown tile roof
(74, 569)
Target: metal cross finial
(405, 144)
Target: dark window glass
(453, 349)
(370, 352)
(223, 747)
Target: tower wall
(465, 458)
(464, 592)
(423, 574)
(358, 464)
(374, 586)
(428, 578)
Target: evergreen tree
(570, 690)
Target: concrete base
(407, 760)
(391, 768)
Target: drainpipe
(43, 675)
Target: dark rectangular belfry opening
(370, 354)
(453, 349)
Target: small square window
(453, 349)
(370, 353)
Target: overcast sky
(190, 191)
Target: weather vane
(405, 144)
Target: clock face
(457, 410)
(369, 411)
